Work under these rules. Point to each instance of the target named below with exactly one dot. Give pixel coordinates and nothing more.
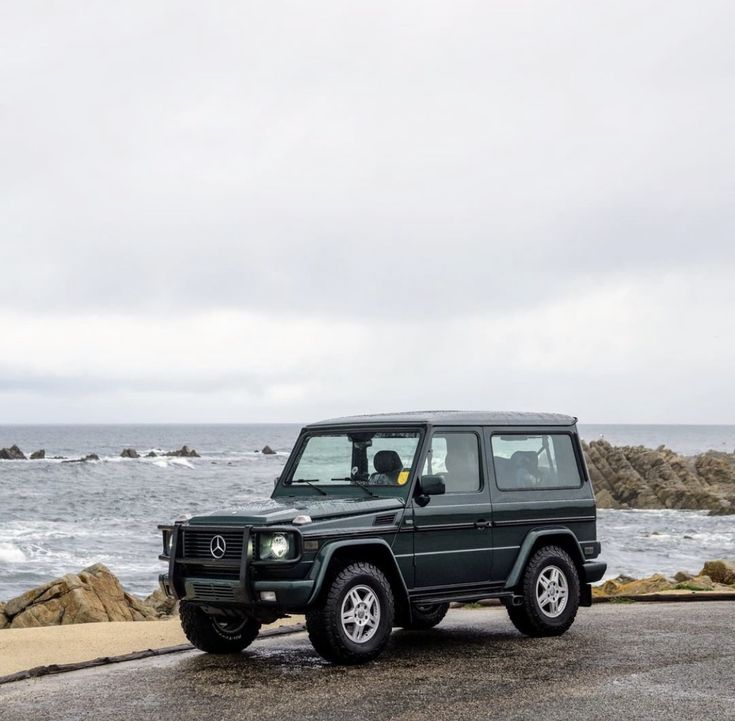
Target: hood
(272, 511)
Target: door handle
(482, 523)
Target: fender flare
(525, 551)
(324, 558)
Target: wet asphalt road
(621, 661)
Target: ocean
(57, 518)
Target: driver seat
(388, 465)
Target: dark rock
(129, 453)
(90, 457)
(268, 451)
(183, 452)
(38, 455)
(151, 454)
(12, 454)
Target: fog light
(268, 596)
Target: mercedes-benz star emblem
(217, 546)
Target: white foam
(181, 462)
(11, 554)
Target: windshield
(367, 459)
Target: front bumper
(231, 582)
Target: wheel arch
(561, 536)
(374, 550)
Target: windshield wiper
(310, 483)
(358, 483)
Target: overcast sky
(235, 211)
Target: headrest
(528, 459)
(387, 462)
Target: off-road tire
(426, 616)
(324, 624)
(529, 618)
(207, 635)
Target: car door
(453, 534)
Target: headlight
(276, 546)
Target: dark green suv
(383, 520)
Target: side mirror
(432, 485)
(429, 486)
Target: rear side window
(534, 462)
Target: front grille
(213, 572)
(213, 592)
(197, 544)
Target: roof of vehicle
(454, 418)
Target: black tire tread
(424, 620)
(527, 618)
(320, 620)
(199, 629)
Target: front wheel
(353, 621)
(550, 588)
(215, 634)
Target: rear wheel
(550, 588)
(426, 615)
(217, 634)
(352, 623)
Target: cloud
(259, 211)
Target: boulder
(162, 604)
(129, 453)
(719, 571)
(93, 595)
(268, 451)
(151, 454)
(183, 452)
(3, 617)
(38, 455)
(12, 454)
(681, 576)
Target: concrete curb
(136, 655)
(692, 596)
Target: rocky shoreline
(644, 478)
(95, 594)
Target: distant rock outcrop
(12, 454)
(638, 477)
(151, 454)
(94, 594)
(183, 452)
(129, 453)
(90, 457)
(38, 455)
(268, 451)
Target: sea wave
(10, 553)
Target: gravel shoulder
(632, 661)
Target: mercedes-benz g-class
(383, 520)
